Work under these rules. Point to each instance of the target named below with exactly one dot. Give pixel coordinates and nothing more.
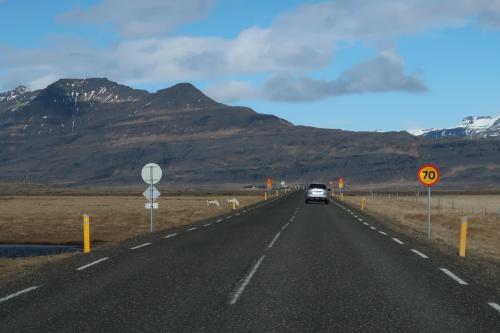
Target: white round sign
(151, 173)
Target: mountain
(470, 127)
(96, 131)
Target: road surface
(283, 266)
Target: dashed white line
(355, 216)
(228, 217)
(207, 225)
(419, 253)
(453, 276)
(360, 219)
(139, 246)
(170, 236)
(243, 284)
(219, 220)
(191, 229)
(274, 240)
(494, 306)
(292, 218)
(286, 225)
(238, 214)
(24, 291)
(365, 223)
(373, 228)
(383, 233)
(397, 241)
(91, 264)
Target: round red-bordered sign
(429, 175)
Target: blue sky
(356, 65)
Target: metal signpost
(429, 175)
(151, 174)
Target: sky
(360, 65)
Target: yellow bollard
(463, 236)
(265, 196)
(86, 234)
(363, 203)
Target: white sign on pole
(151, 173)
(149, 205)
(151, 194)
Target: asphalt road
(280, 267)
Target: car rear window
(321, 186)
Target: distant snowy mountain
(472, 127)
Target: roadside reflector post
(463, 236)
(363, 201)
(234, 205)
(265, 196)
(86, 234)
(341, 196)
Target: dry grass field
(409, 214)
(57, 219)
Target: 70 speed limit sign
(428, 175)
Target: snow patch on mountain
(472, 126)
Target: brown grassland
(57, 219)
(408, 214)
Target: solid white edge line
(398, 241)
(494, 306)
(245, 282)
(419, 253)
(24, 291)
(453, 276)
(274, 240)
(139, 246)
(91, 264)
(170, 236)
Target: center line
(286, 225)
(397, 241)
(494, 306)
(138, 246)
(383, 233)
(373, 228)
(91, 264)
(453, 276)
(170, 236)
(24, 291)
(219, 220)
(245, 282)
(191, 229)
(274, 240)
(419, 253)
(365, 223)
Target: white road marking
(191, 229)
(292, 218)
(91, 264)
(139, 246)
(207, 225)
(365, 223)
(219, 220)
(373, 228)
(286, 225)
(494, 306)
(24, 291)
(383, 233)
(419, 253)
(170, 236)
(355, 216)
(229, 217)
(453, 276)
(360, 219)
(237, 293)
(397, 241)
(238, 214)
(274, 240)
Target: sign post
(151, 174)
(429, 175)
(341, 186)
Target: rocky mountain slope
(95, 131)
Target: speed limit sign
(428, 175)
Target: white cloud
(380, 74)
(139, 18)
(297, 42)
